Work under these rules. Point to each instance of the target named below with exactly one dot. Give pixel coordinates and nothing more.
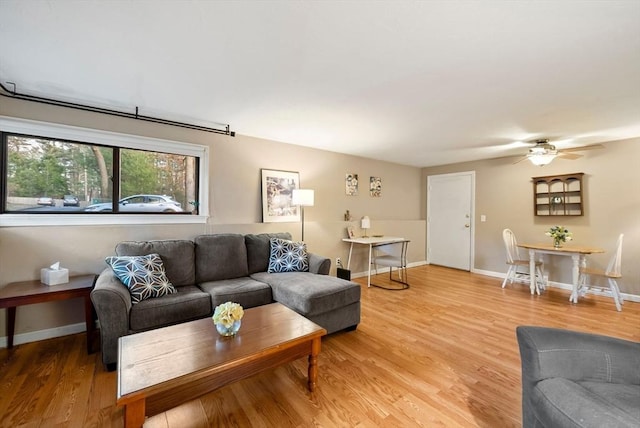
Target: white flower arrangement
(559, 233)
(227, 313)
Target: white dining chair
(613, 272)
(515, 261)
(392, 255)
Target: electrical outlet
(338, 261)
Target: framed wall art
(375, 187)
(277, 187)
(351, 184)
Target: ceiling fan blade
(571, 156)
(579, 149)
(520, 160)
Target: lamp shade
(365, 223)
(302, 197)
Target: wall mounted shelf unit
(558, 195)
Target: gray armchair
(572, 379)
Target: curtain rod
(14, 94)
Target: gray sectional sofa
(213, 269)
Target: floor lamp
(303, 198)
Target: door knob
(467, 225)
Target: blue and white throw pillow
(144, 276)
(288, 256)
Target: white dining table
(577, 253)
(371, 241)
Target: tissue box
(54, 276)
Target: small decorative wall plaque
(375, 187)
(351, 184)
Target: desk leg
(532, 272)
(369, 274)
(11, 325)
(349, 259)
(575, 276)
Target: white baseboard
(34, 336)
(562, 285)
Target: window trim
(108, 138)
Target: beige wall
(235, 206)
(612, 206)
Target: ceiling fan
(543, 152)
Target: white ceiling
(417, 83)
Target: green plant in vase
(559, 234)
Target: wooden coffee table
(163, 368)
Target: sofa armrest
(112, 303)
(550, 352)
(318, 264)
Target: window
(55, 170)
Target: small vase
(556, 243)
(229, 331)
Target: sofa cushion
(308, 293)
(189, 303)
(245, 291)
(560, 402)
(144, 276)
(177, 255)
(623, 396)
(220, 256)
(288, 256)
(259, 250)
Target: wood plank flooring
(442, 353)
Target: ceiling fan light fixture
(543, 153)
(541, 159)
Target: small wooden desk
(29, 292)
(371, 241)
(577, 254)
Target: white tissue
(55, 266)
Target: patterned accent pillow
(144, 276)
(288, 256)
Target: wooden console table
(29, 292)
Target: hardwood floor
(442, 353)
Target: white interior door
(450, 219)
